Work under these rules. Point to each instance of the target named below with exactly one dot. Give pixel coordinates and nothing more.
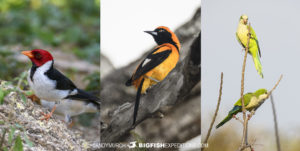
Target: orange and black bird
(157, 65)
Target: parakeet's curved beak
(245, 21)
(153, 33)
(28, 54)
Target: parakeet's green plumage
(242, 37)
(252, 102)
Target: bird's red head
(38, 56)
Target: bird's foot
(71, 124)
(249, 116)
(48, 116)
(234, 117)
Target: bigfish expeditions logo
(161, 145)
(136, 144)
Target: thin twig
(238, 119)
(275, 124)
(250, 145)
(216, 112)
(270, 92)
(244, 138)
(245, 146)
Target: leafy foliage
(9, 67)
(72, 26)
(94, 82)
(51, 21)
(18, 144)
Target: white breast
(43, 87)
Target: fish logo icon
(132, 144)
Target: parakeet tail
(258, 66)
(235, 110)
(227, 118)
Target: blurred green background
(72, 26)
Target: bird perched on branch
(52, 86)
(157, 65)
(242, 36)
(252, 101)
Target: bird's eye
(38, 56)
(161, 30)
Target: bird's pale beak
(28, 54)
(153, 33)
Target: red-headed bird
(157, 65)
(50, 85)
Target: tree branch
(270, 92)
(174, 88)
(275, 124)
(216, 112)
(245, 129)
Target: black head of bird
(163, 35)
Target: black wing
(63, 83)
(150, 62)
(86, 97)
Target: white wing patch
(146, 61)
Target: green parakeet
(242, 37)
(252, 102)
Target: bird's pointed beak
(153, 33)
(28, 54)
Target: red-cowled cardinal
(50, 85)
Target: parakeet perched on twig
(242, 37)
(252, 102)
